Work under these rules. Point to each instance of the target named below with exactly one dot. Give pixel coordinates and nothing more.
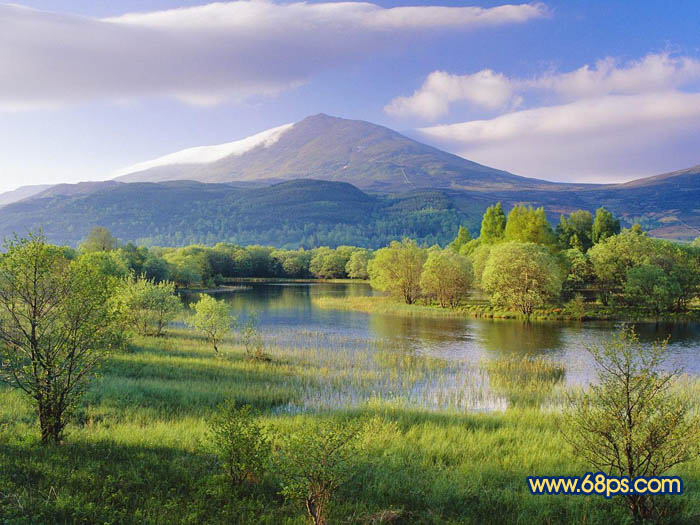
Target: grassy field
(139, 450)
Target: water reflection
(433, 362)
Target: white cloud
(495, 91)
(613, 137)
(485, 89)
(206, 54)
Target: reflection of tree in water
(520, 338)
(427, 329)
(676, 332)
(525, 381)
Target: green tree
(576, 231)
(240, 442)
(633, 421)
(447, 276)
(493, 224)
(578, 269)
(397, 269)
(523, 276)
(613, 256)
(57, 324)
(148, 306)
(463, 237)
(526, 224)
(357, 265)
(328, 264)
(213, 319)
(99, 240)
(604, 226)
(648, 285)
(316, 461)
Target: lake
(438, 363)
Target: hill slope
(371, 157)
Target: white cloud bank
(612, 121)
(206, 54)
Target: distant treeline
(520, 261)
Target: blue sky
(596, 91)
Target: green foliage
(578, 269)
(357, 264)
(240, 443)
(523, 276)
(526, 224)
(397, 269)
(57, 323)
(316, 462)
(147, 306)
(447, 276)
(493, 224)
(576, 231)
(648, 284)
(99, 240)
(463, 237)
(604, 226)
(631, 422)
(252, 339)
(330, 264)
(213, 319)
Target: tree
(397, 269)
(463, 237)
(649, 285)
(493, 224)
(240, 443)
(316, 461)
(526, 224)
(357, 265)
(576, 231)
(148, 306)
(447, 276)
(99, 240)
(328, 264)
(613, 256)
(523, 276)
(604, 226)
(213, 319)
(633, 422)
(57, 323)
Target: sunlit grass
(139, 452)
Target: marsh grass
(139, 449)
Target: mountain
(19, 194)
(293, 213)
(368, 156)
(310, 213)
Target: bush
(241, 444)
(316, 461)
(213, 319)
(148, 306)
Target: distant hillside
(315, 212)
(296, 213)
(371, 157)
(19, 194)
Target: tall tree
(447, 276)
(397, 269)
(57, 323)
(604, 225)
(526, 224)
(522, 276)
(493, 224)
(463, 237)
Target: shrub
(213, 319)
(148, 306)
(316, 461)
(240, 443)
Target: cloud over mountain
(210, 53)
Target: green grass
(139, 452)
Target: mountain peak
(322, 146)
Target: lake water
(432, 362)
